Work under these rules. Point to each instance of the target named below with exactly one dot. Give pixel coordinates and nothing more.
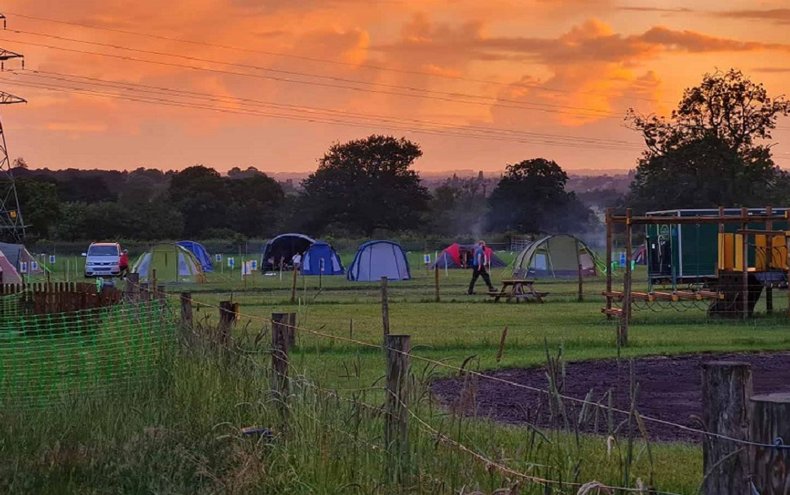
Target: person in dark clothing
(480, 264)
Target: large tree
(208, 201)
(712, 151)
(531, 197)
(366, 184)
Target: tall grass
(190, 432)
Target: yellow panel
(779, 257)
(727, 252)
(760, 252)
(738, 261)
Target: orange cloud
(346, 68)
(778, 16)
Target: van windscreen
(103, 251)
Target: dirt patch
(670, 389)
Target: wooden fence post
(580, 296)
(625, 317)
(227, 315)
(608, 261)
(396, 425)
(287, 320)
(436, 282)
(132, 289)
(293, 286)
(769, 258)
(745, 266)
(771, 426)
(385, 308)
(281, 338)
(726, 411)
(186, 316)
(161, 295)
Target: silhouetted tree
(366, 184)
(531, 197)
(710, 152)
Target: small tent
(321, 259)
(556, 256)
(18, 254)
(460, 256)
(8, 272)
(282, 248)
(376, 259)
(173, 264)
(200, 252)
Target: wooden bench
(520, 290)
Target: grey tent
(18, 254)
(556, 256)
(376, 259)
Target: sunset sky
(274, 83)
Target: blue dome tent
(376, 259)
(320, 259)
(200, 252)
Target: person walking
(123, 264)
(480, 264)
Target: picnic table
(520, 290)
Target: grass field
(182, 436)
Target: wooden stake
(281, 339)
(436, 282)
(293, 286)
(771, 426)
(385, 308)
(186, 317)
(227, 315)
(625, 318)
(726, 411)
(396, 424)
(132, 289)
(501, 349)
(608, 261)
(769, 257)
(745, 267)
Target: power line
(315, 59)
(319, 119)
(326, 116)
(604, 114)
(342, 81)
(159, 90)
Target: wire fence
(50, 357)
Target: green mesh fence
(44, 358)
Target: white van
(103, 260)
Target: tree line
(714, 150)
(361, 188)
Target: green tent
(556, 256)
(173, 264)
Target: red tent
(460, 256)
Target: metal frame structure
(12, 225)
(629, 221)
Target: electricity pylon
(12, 226)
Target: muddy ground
(670, 389)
